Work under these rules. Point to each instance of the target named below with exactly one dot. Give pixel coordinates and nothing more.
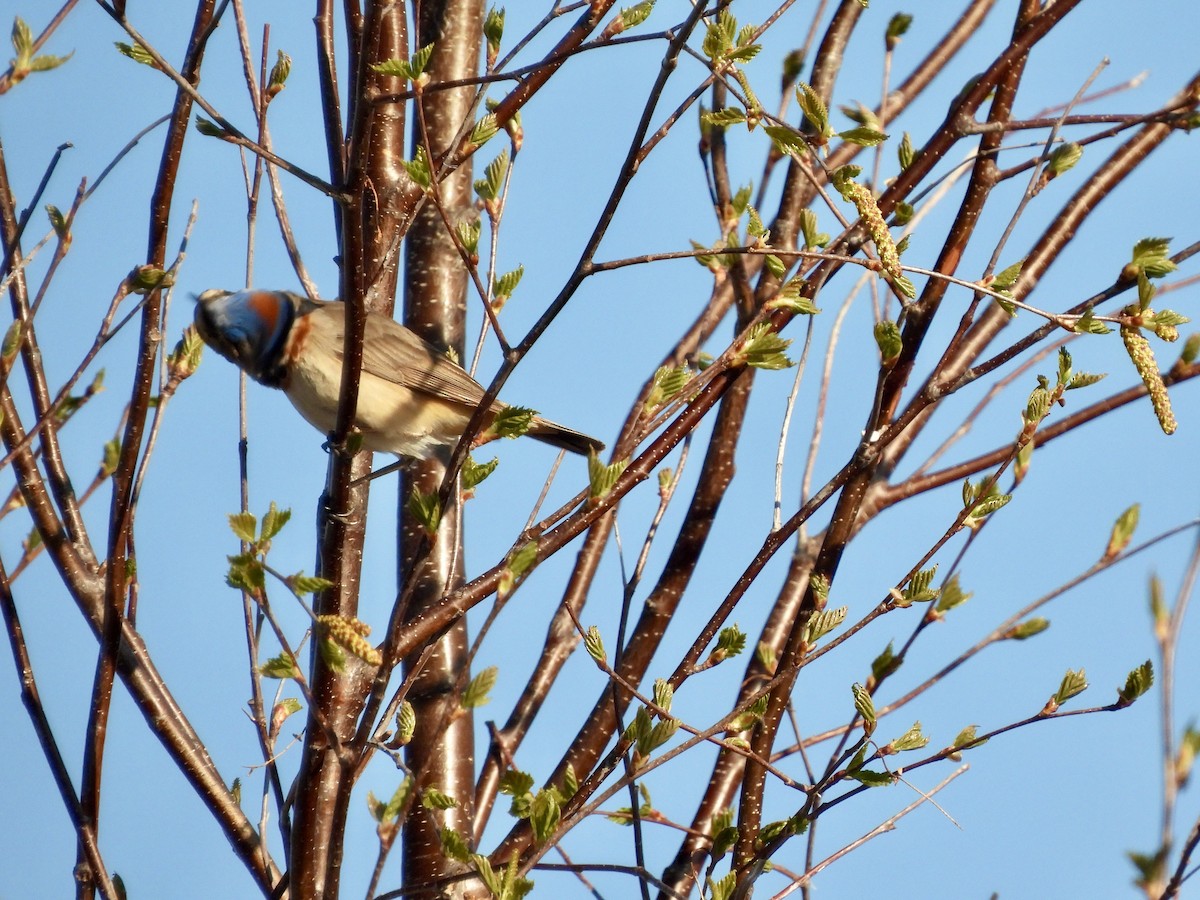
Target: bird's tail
(562, 437)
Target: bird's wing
(395, 354)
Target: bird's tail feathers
(562, 437)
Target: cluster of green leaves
(25, 61)
(411, 69)
(542, 808)
(762, 347)
(725, 43)
(665, 386)
(602, 477)
(518, 563)
(247, 570)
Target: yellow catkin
(351, 634)
(868, 210)
(1140, 352)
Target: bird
(413, 400)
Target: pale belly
(392, 418)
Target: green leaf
(1007, 278)
(432, 798)
(137, 53)
(332, 655)
(903, 214)
(791, 298)
(787, 140)
(632, 16)
(905, 152)
(395, 68)
(387, 812)
(545, 814)
(823, 622)
(638, 730)
(279, 73)
(492, 184)
(12, 341)
(808, 227)
(487, 875)
(718, 37)
(1073, 684)
(594, 643)
(1169, 317)
(1150, 259)
(665, 386)
(302, 584)
(1087, 324)
(724, 118)
(479, 689)
(601, 477)
(522, 559)
(663, 694)
(755, 228)
(967, 737)
(454, 845)
(748, 718)
(245, 573)
(110, 457)
(861, 115)
(425, 510)
(918, 589)
(244, 526)
(897, 27)
(730, 642)
(723, 888)
(485, 129)
(863, 136)
(468, 232)
(1063, 158)
(22, 38)
(514, 782)
(1137, 683)
(952, 595)
(474, 474)
(511, 422)
(504, 285)
(273, 521)
(406, 723)
(410, 69)
(209, 128)
(763, 348)
(1028, 629)
(885, 663)
(662, 732)
(813, 107)
(1122, 532)
(419, 60)
(865, 706)
(570, 782)
(870, 778)
(1084, 379)
(493, 27)
(281, 666)
(418, 169)
(775, 265)
(889, 341)
(912, 739)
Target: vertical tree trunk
(442, 750)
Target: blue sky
(1046, 811)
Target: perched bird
(412, 399)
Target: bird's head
(249, 328)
